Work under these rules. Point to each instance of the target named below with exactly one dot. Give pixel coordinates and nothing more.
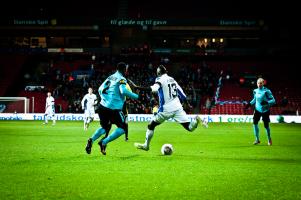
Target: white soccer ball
(166, 149)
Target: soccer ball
(166, 149)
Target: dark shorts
(257, 115)
(108, 117)
(125, 112)
(125, 109)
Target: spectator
(284, 101)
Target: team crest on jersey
(122, 81)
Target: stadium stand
(10, 66)
(235, 92)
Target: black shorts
(108, 117)
(257, 115)
(125, 109)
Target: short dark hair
(161, 70)
(121, 66)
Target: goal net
(14, 105)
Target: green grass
(49, 162)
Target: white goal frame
(24, 99)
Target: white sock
(148, 136)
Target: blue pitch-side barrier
(148, 117)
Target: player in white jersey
(170, 106)
(88, 105)
(49, 109)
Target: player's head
(90, 90)
(122, 67)
(260, 82)
(161, 70)
(48, 94)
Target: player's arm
(154, 88)
(95, 100)
(252, 102)
(181, 94)
(124, 91)
(183, 98)
(270, 98)
(47, 103)
(83, 102)
(52, 101)
(100, 89)
(147, 89)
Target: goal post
(14, 105)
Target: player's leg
(118, 118)
(157, 120)
(203, 121)
(181, 117)
(85, 122)
(107, 129)
(256, 118)
(46, 116)
(189, 125)
(148, 136)
(100, 131)
(90, 116)
(86, 117)
(104, 122)
(89, 119)
(53, 119)
(126, 129)
(88, 122)
(266, 121)
(85, 127)
(53, 115)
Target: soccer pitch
(50, 162)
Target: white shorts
(179, 116)
(50, 110)
(90, 113)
